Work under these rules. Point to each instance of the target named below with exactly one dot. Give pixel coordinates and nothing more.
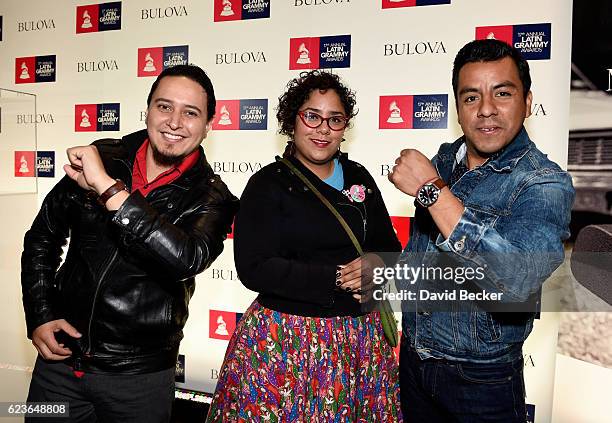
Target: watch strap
(438, 182)
(115, 188)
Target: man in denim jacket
(493, 203)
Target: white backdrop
(388, 50)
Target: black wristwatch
(428, 194)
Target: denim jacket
(516, 217)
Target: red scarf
(139, 173)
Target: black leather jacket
(128, 275)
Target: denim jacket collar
(505, 162)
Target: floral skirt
(285, 368)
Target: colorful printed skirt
(285, 368)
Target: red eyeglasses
(314, 120)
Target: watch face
(428, 194)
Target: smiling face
(491, 107)
(176, 120)
(316, 147)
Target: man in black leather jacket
(144, 214)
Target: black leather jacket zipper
(93, 306)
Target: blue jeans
(442, 391)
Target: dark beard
(164, 159)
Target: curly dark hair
(298, 91)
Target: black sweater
(287, 244)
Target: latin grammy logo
(395, 115)
(84, 120)
(221, 327)
(304, 57)
(86, 20)
(23, 165)
(225, 117)
(227, 8)
(24, 71)
(149, 64)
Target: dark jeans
(145, 398)
(434, 390)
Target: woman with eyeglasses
(307, 349)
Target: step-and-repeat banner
(91, 66)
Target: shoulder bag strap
(325, 201)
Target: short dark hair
(196, 74)
(298, 91)
(490, 50)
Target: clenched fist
(87, 169)
(412, 170)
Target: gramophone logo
(35, 69)
(320, 52)
(153, 60)
(395, 113)
(235, 10)
(24, 70)
(532, 40)
(244, 115)
(149, 63)
(96, 117)
(227, 115)
(222, 324)
(391, 4)
(98, 17)
(83, 119)
(425, 111)
(25, 164)
(304, 53)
